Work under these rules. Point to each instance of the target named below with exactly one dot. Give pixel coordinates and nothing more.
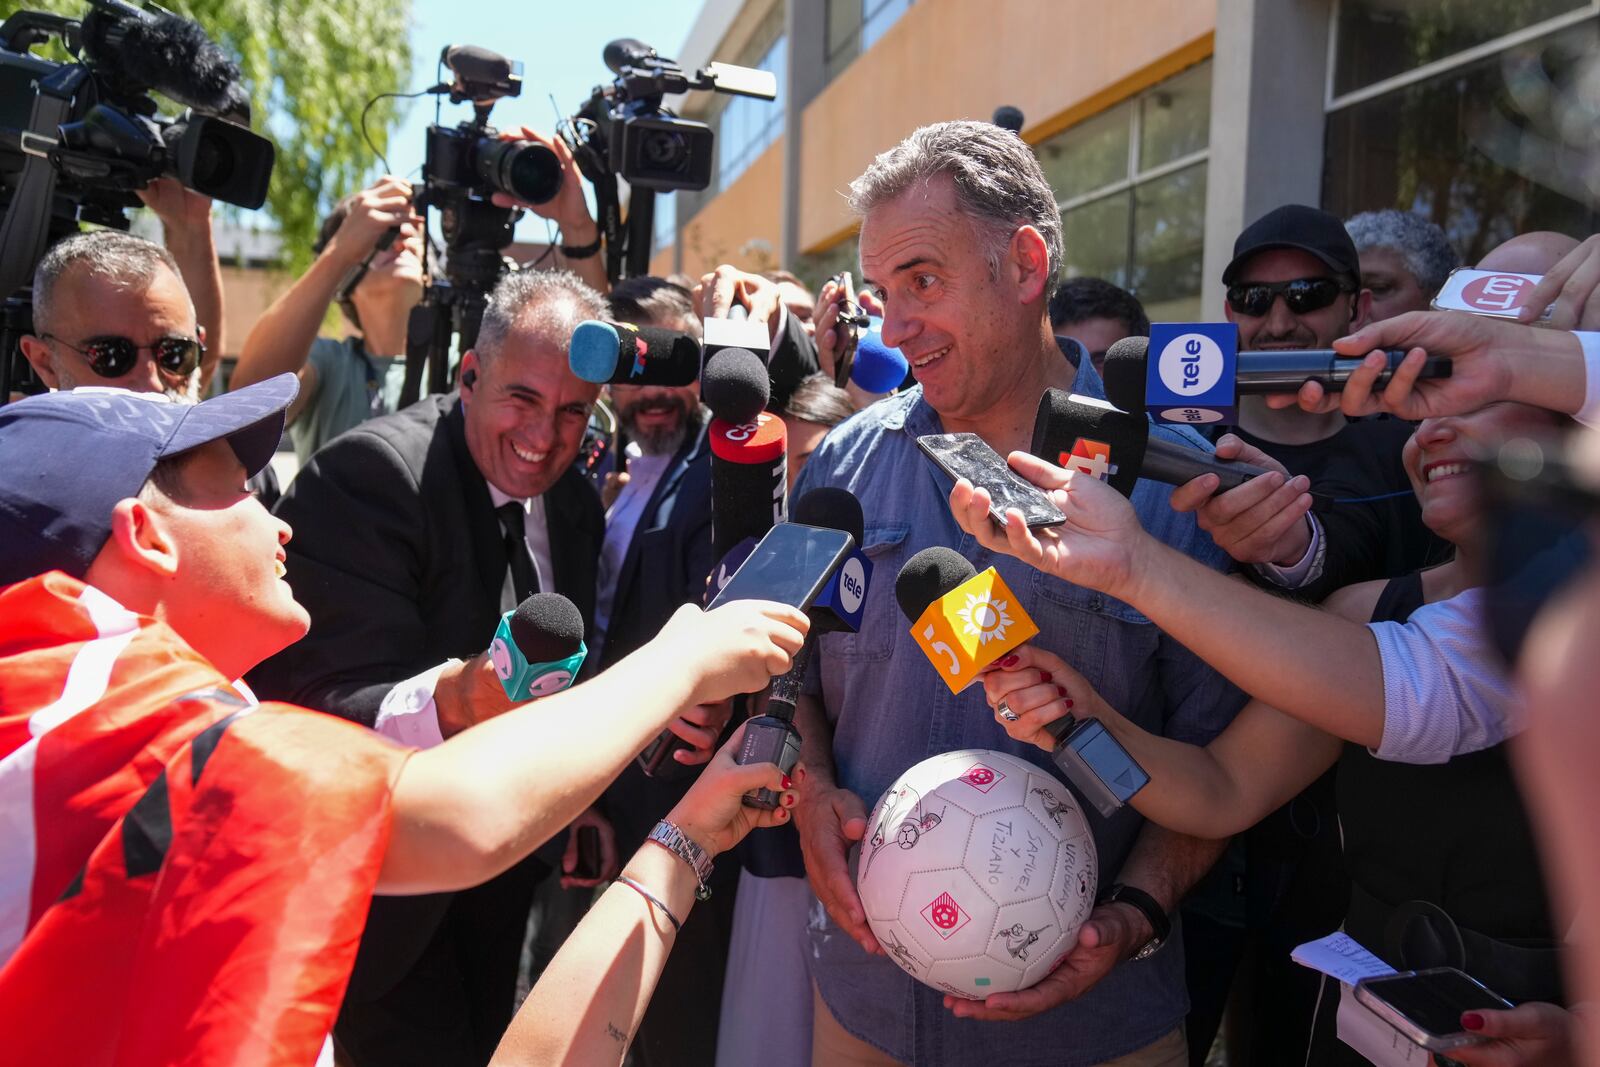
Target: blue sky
(559, 45)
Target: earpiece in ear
(469, 378)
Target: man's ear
(1030, 263)
(38, 355)
(141, 538)
(200, 333)
(1360, 309)
(469, 373)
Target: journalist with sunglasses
(111, 309)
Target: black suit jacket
(399, 557)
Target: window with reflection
(853, 26)
(1487, 150)
(1131, 182)
(746, 126)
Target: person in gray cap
(161, 820)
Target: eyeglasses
(112, 357)
(1302, 295)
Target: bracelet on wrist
(669, 836)
(582, 251)
(655, 901)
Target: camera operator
(137, 577)
(344, 383)
(111, 309)
(581, 244)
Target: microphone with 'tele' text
(815, 564)
(963, 621)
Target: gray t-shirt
(352, 387)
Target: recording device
(790, 565)
(852, 320)
(966, 455)
(1426, 1006)
(624, 354)
(589, 860)
(1081, 433)
(963, 621)
(463, 167)
(538, 647)
(877, 367)
(836, 515)
(78, 139)
(623, 131)
(1198, 374)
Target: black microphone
(624, 354)
(538, 648)
(735, 386)
(1084, 434)
(1008, 117)
(1093, 760)
(1258, 373)
(626, 52)
(167, 53)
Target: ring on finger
(1003, 710)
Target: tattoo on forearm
(616, 1035)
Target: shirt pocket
(1100, 636)
(885, 549)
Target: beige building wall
(743, 225)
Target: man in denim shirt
(962, 240)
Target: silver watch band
(680, 844)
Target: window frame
(1514, 39)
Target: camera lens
(665, 150)
(526, 169)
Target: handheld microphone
(620, 353)
(877, 367)
(1083, 434)
(735, 386)
(538, 648)
(1197, 374)
(838, 607)
(935, 581)
(738, 330)
(1008, 117)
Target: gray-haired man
(415, 531)
(961, 240)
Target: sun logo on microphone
(984, 618)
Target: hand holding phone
(966, 455)
(1426, 1006)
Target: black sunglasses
(1302, 295)
(1539, 511)
(112, 357)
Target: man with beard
(656, 556)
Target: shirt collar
(501, 499)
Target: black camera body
(661, 151)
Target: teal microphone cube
(1191, 373)
(524, 681)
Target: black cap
(1308, 229)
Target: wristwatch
(1160, 924)
(680, 844)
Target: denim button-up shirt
(890, 710)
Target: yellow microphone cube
(971, 626)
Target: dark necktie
(524, 578)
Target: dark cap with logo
(1297, 226)
(70, 456)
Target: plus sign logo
(981, 777)
(945, 915)
(1497, 292)
(1089, 457)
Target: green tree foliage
(310, 66)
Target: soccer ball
(976, 872)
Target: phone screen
(790, 565)
(1435, 999)
(966, 455)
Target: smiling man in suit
(414, 533)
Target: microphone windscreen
(1124, 373)
(877, 367)
(831, 508)
(1008, 117)
(623, 354)
(1088, 435)
(927, 576)
(547, 627)
(174, 55)
(735, 385)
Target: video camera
(78, 139)
(624, 131)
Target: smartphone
(966, 455)
(1497, 293)
(1426, 1006)
(791, 564)
(588, 865)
